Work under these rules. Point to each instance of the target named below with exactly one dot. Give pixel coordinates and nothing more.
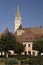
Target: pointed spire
(18, 12)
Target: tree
(38, 60)
(19, 48)
(38, 45)
(7, 41)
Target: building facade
(26, 35)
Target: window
(29, 52)
(25, 53)
(34, 53)
(28, 45)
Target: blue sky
(31, 13)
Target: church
(26, 35)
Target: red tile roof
(29, 34)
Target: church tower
(17, 19)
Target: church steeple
(17, 19)
(18, 12)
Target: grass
(1, 63)
(22, 59)
(8, 61)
